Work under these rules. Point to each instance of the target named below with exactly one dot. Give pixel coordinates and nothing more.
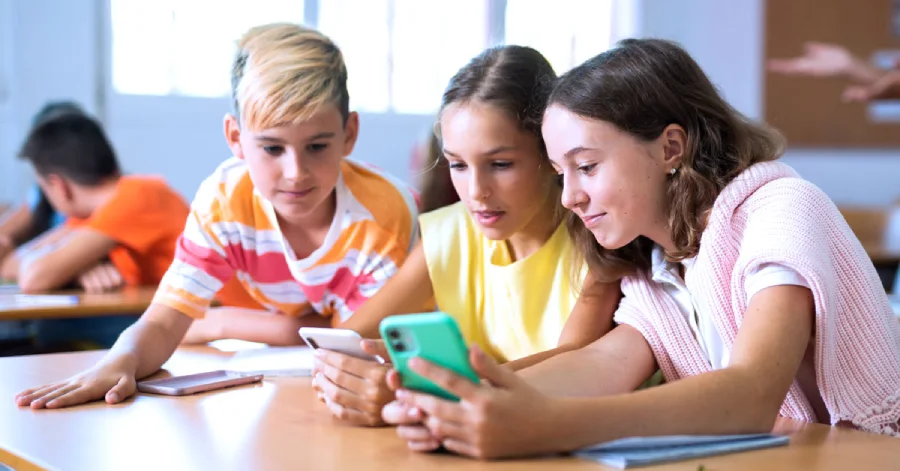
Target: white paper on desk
(19, 301)
(9, 289)
(273, 361)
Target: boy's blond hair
(284, 73)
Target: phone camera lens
(394, 334)
(400, 347)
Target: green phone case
(432, 336)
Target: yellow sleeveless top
(510, 309)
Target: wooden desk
(878, 229)
(279, 425)
(129, 301)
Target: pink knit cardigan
(769, 214)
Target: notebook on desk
(645, 451)
(273, 361)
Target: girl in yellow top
(500, 260)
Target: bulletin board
(809, 111)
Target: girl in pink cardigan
(741, 282)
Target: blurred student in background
(36, 215)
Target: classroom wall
(51, 56)
(54, 49)
(6, 180)
(183, 138)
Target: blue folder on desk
(644, 451)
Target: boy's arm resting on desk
(591, 318)
(406, 292)
(81, 249)
(11, 265)
(251, 325)
(153, 339)
(47, 239)
(139, 352)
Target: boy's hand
(6, 246)
(100, 278)
(111, 380)
(9, 267)
(355, 390)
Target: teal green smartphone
(431, 336)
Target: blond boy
(309, 234)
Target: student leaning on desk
(35, 216)
(126, 222)
(306, 232)
(27, 222)
(119, 230)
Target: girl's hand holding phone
(354, 389)
(505, 417)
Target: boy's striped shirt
(232, 231)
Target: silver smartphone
(344, 341)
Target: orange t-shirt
(145, 217)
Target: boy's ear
(351, 132)
(233, 135)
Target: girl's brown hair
(435, 185)
(642, 86)
(515, 79)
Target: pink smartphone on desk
(195, 383)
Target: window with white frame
(570, 32)
(400, 53)
(361, 29)
(184, 47)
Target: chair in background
(878, 229)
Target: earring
(673, 170)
